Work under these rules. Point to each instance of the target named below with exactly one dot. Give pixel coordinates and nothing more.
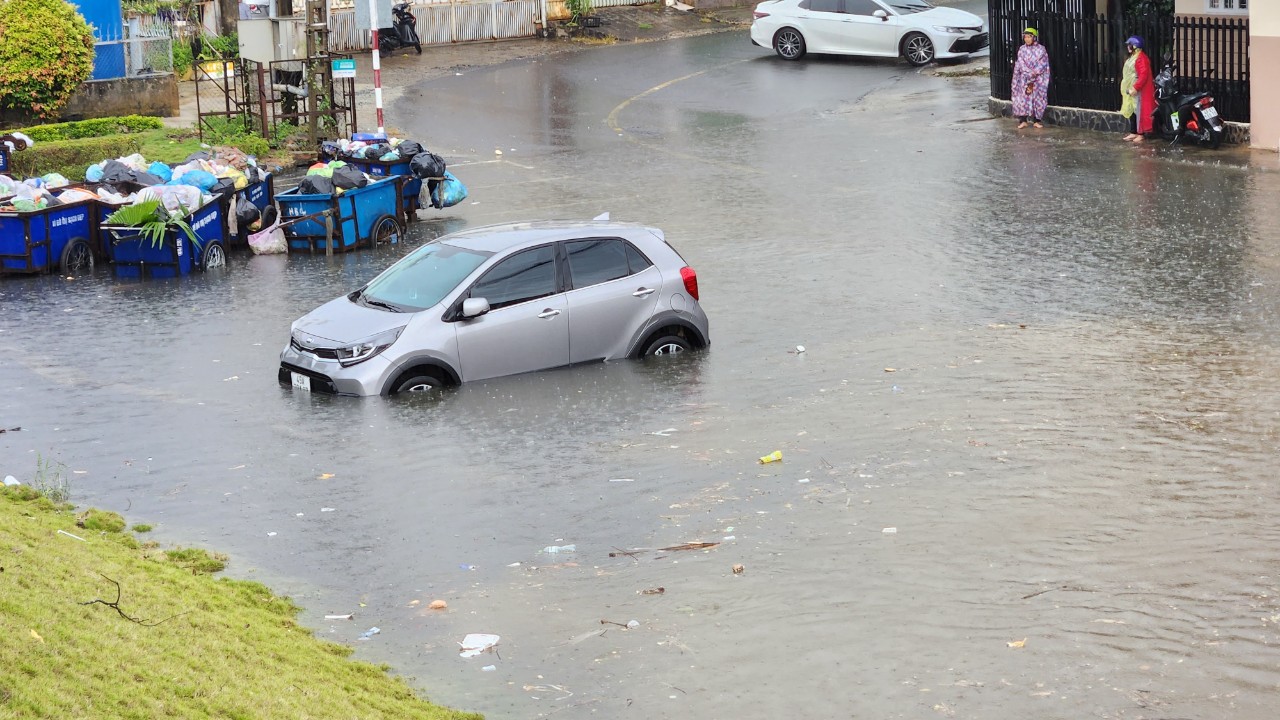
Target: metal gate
(445, 23)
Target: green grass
(202, 647)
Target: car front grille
(322, 353)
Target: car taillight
(690, 281)
(757, 14)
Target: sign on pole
(344, 69)
(381, 7)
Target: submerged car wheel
(215, 256)
(789, 44)
(667, 345)
(419, 383)
(917, 48)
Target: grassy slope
(236, 653)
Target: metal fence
(1086, 54)
(450, 21)
(133, 56)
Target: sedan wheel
(419, 384)
(918, 49)
(789, 44)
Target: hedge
(70, 157)
(99, 127)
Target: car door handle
(548, 313)
(644, 291)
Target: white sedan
(914, 29)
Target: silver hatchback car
(501, 300)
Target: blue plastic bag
(162, 171)
(94, 173)
(198, 178)
(449, 192)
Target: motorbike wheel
(386, 45)
(1208, 136)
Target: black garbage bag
(348, 177)
(224, 185)
(116, 172)
(146, 179)
(316, 185)
(247, 214)
(409, 148)
(329, 150)
(269, 216)
(197, 155)
(427, 164)
(375, 151)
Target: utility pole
(319, 67)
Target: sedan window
(831, 6)
(636, 259)
(861, 7)
(522, 277)
(907, 7)
(592, 262)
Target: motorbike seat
(1191, 98)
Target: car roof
(507, 236)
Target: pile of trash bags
(223, 170)
(333, 178)
(37, 193)
(374, 148)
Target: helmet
(1134, 40)
(1032, 32)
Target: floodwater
(1044, 360)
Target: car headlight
(358, 352)
(949, 29)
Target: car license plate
(1209, 112)
(301, 382)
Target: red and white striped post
(377, 63)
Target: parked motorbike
(402, 34)
(1192, 116)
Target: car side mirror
(474, 307)
(880, 14)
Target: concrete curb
(1109, 121)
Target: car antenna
(601, 218)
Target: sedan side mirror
(880, 14)
(474, 307)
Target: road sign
(343, 69)
(383, 8)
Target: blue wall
(108, 24)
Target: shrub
(99, 127)
(578, 8)
(46, 51)
(70, 157)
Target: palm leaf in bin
(152, 222)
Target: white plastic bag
(269, 241)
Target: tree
(46, 52)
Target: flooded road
(1044, 361)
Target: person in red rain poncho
(1144, 89)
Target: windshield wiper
(378, 303)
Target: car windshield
(907, 7)
(422, 278)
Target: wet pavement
(1043, 360)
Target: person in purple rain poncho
(1030, 91)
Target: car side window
(592, 262)
(831, 6)
(861, 7)
(636, 259)
(525, 276)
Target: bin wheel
(215, 256)
(386, 231)
(77, 256)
